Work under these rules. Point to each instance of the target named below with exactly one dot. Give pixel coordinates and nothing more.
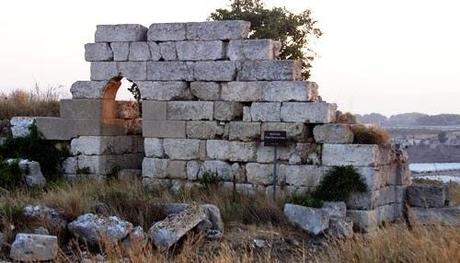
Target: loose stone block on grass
(33, 247)
(427, 196)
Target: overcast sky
(375, 56)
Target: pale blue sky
(375, 56)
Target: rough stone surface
(352, 154)
(153, 147)
(204, 130)
(205, 90)
(369, 220)
(340, 228)
(33, 247)
(244, 131)
(139, 51)
(302, 175)
(335, 209)
(447, 216)
(308, 112)
(155, 51)
(265, 111)
(270, 70)
(154, 110)
(31, 171)
(200, 50)
(120, 33)
(101, 145)
(43, 214)
(373, 199)
(103, 70)
(154, 168)
(167, 232)
(20, 126)
(261, 174)
(164, 90)
(232, 151)
(87, 89)
(166, 71)
(314, 221)
(254, 49)
(120, 51)
(182, 149)
(227, 111)
(218, 30)
(290, 91)
(190, 110)
(242, 91)
(132, 70)
(98, 52)
(427, 196)
(166, 32)
(168, 51)
(163, 129)
(333, 133)
(215, 70)
(265, 154)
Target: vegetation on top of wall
(339, 183)
(294, 31)
(370, 134)
(34, 147)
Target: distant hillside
(411, 119)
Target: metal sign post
(275, 139)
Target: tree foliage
(294, 31)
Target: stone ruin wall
(209, 93)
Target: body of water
(433, 167)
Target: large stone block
(373, 199)
(355, 154)
(218, 30)
(182, 149)
(200, 50)
(88, 109)
(265, 154)
(164, 90)
(333, 133)
(153, 167)
(215, 71)
(33, 247)
(227, 111)
(133, 70)
(302, 175)
(270, 70)
(107, 164)
(224, 170)
(168, 50)
(313, 220)
(153, 147)
(142, 51)
(381, 176)
(104, 145)
(120, 51)
(262, 174)
(98, 52)
(154, 110)
(308, 112)
(244, 131)
(120, 33)
(232, 151)
(190, 110)
(265, 111)
(298, 132)
(253, 49)
(166, 32)
(163, 129)
(369, 220)
(205, 90)
(427, 196)
(204, 130)
(176, 170)
(242, 91)
(306, 153)
(103, 70)
(165, 71)
(290, 91)
(447, 216)
(87, 89)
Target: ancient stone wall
(208, 96)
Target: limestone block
(168, 50)
(369, 220)
(120, 33)
(306, 153)
(270, 70)
(298, 132)
(290, 91)
(244, 189)
(88, 89)
(262, 174)
(102, 145)
(205, 90)
(176, 170)
(265, 111)
(253, 49)
(155, 51)
(20, 126)
(98, 52)
(244, 131)
(154, 110)
(69, 165)
(103, 70)
(242, 91)
(88, 109)
(182, 149)
(139, 51)
(446, 216)
(373, 199)
(333, 133)
(313, 220)
(302, 175)
(190, 110)
(223, 169)
(166, 32)
(204, 130)
(200, 50)
(265, 154)
(164, 90)
(120, 51)
(227, 111)
(34, 247)
(165, 71)
(105, 164)
(154, 168)
(133, 70)
(218, 30)
(153, 147)
(427, 196)
(215, 70)
(308, 112)
(163, 129)
(335, 209)
(354, 154)
(232, 151)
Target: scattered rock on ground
(49, 216)
(313, 220)
(32, 247)
(340, 228)
(31, 171)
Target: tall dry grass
(35, 102)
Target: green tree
(294, 31)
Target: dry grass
(37, 102)
(370, 134)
